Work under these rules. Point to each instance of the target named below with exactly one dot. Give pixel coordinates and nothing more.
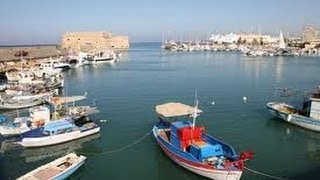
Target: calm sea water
(127, 92)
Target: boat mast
(282, 44)
(195, 112)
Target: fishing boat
(60, 131)
(104, 56)
(77, 60)
(308, 117)
(61, 105)
(56, 63)
(190, 147)
(23, 95)
(20, 104)
(38, 116)
(58, 169)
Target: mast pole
(195, 109)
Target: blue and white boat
(190, 147)
(308, 117)
(60, 131)
(58, 169)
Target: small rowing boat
(58, 169)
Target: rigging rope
(266, 175)
(125, 146)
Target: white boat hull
(57, 169)
(57, 139)
(293, 118)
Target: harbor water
(127, 91)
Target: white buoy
(212, 103)
(244, 99)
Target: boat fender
(289, 117)
(2, 119)
(58, 107)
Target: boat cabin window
(60, 131)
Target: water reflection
(309, 142)
(37, 154)
(279, 69)
(252, 67)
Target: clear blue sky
(43, 21)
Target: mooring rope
(125, 146)
(265, 174)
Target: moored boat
(38, 117)
(190, 147)
(77, 60)
(20, 104)
(104, 56)
(58, 169)
(60, 131)
(308, 118)
(56, 63)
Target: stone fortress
(71, 41)
(88, 41)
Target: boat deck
(49, 172)
(46, 173)
(164, 134)
(287, 110)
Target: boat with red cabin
(191, 147)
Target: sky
(44, 21)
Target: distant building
(311, 35)
(258, 39)
(89, 41)
(226, 38)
